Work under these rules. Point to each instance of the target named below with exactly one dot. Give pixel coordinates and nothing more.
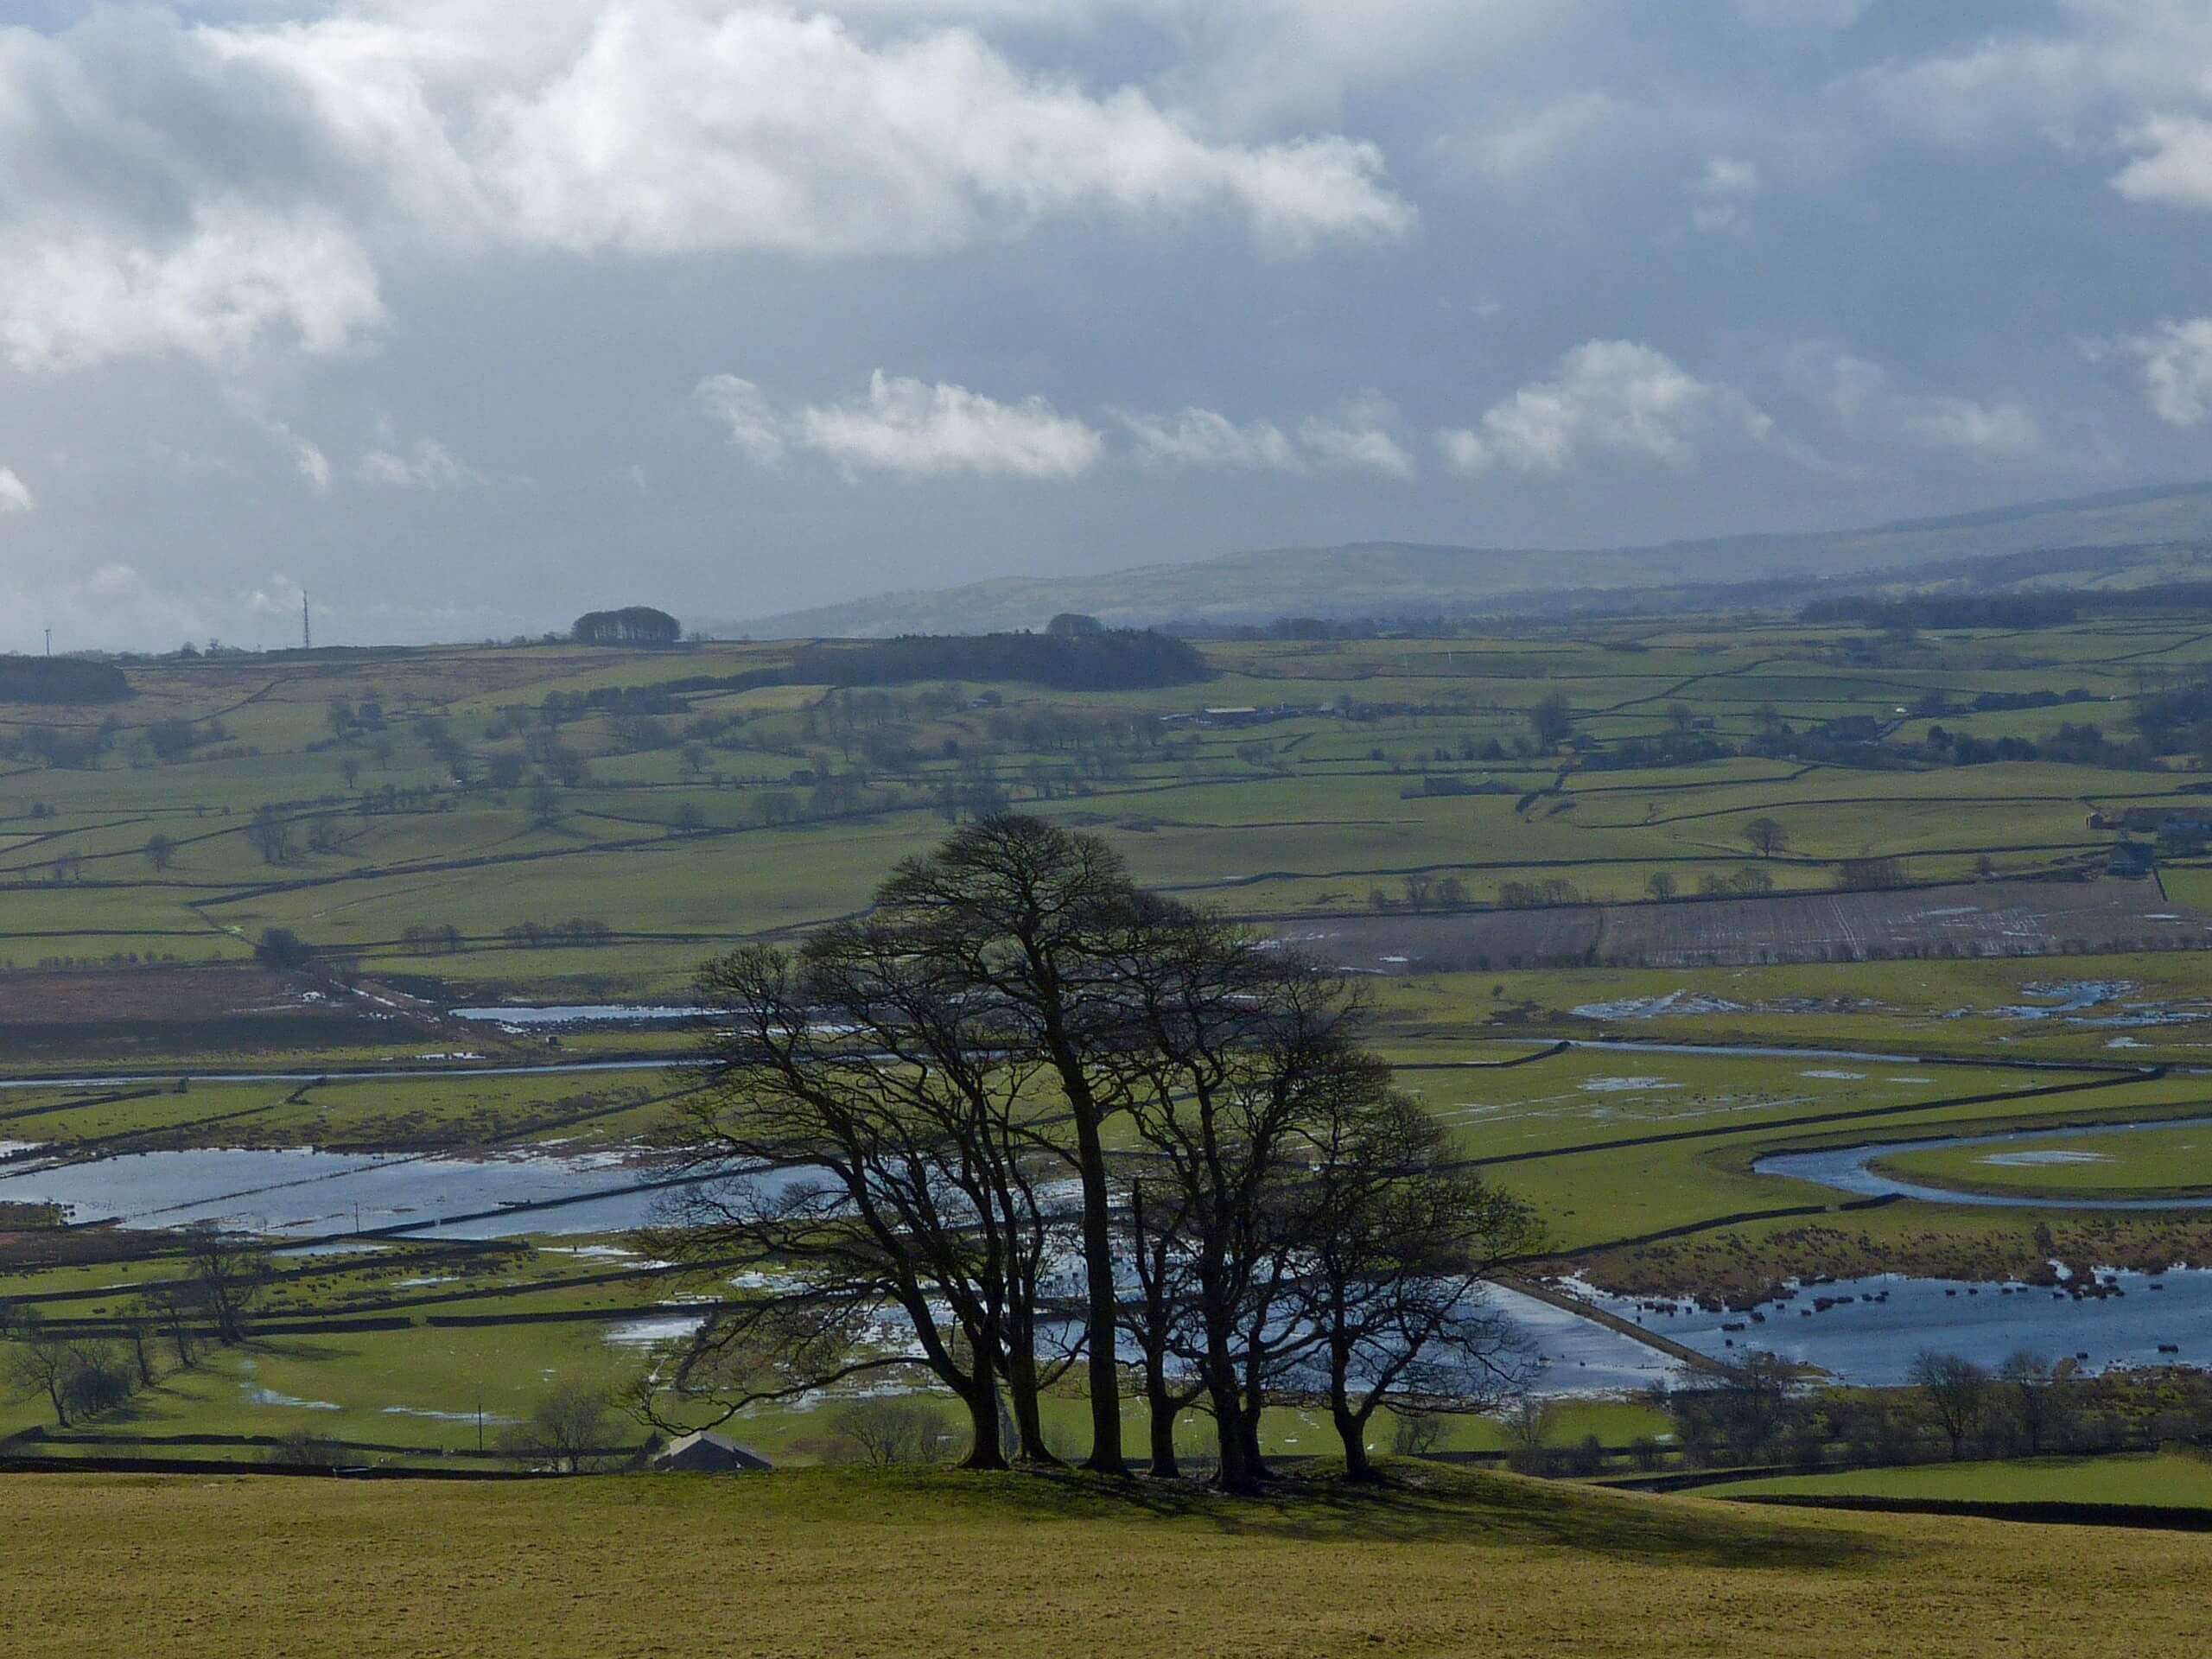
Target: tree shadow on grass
(1456, 1507)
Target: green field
(2165, 1480)
(793, 1565)
(2139, 1164)
(551, 823)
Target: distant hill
(1408, 578)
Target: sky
(466, 316)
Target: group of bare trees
(1025, 1123)
(78, 1371)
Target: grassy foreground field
(2167, 1480)
(819, 1563)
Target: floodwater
(1846, 1169)
(1872, 1328)
(306, 1193)
(1580, 1355)
(576, 1014)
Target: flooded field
(1850, 1169)
(300, 1193)
(1868, 1331)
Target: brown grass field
(894, 1563)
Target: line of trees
(1025, 1123)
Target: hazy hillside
(1389, 578)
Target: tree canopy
(633, 625)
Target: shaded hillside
(1403, 578)
(60, 680)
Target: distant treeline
(1113, 659)
(2052, 609)
(60, 679)
(1947, 610)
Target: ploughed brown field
(1988, 919)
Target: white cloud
(911, 427)
(754, 427)
(2175, 166)
(1609, 395)
(1871, 407)
(2176, 369)
(15, 495)
(1359, 438)
(1202, 437)
(220, 189)
(1722, 196)
(426, 464)
(233, 279)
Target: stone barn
(709, 1454)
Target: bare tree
(169, 1310)
(41, 1363)
(569, 1429)
(1416, 1433)
(2027, 1379)
(1957, 1393)
(1024, 913)
(1767, 836)
(875, 1134)
(227, 1276)
(883, 1430)
(161, 850)
(1394, 1247)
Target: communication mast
(307, 634)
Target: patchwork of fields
(1731, 862)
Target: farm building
(706, 1453)
(2131, 861)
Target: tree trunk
(1352, 1429)
(984, 1450)
(1162, 1406)
(1028, 1420)
(1104, 1295)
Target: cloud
(224, 189)
(1612, 396)
(2176, 166)
(1202, 437)
(15, 495)
(1870, 407)
(671, 131)
(2177, 370)
(1358, 439)
(755, 428)
(1723, 196)
(1534, 143)
(232, 280)
(910, 427)
(425, 465)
